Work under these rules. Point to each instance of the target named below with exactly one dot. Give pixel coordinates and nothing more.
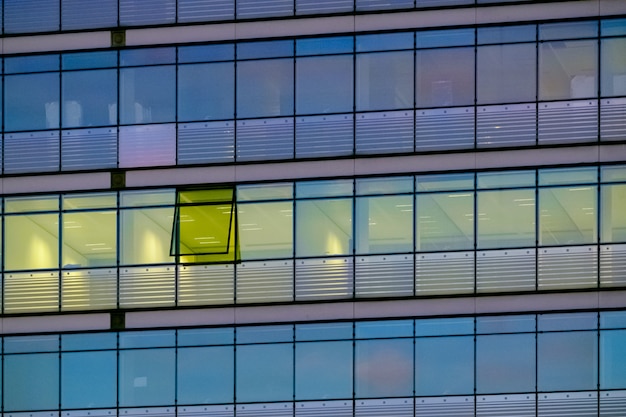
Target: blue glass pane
(324, 84)
(384, 368)
(87, 60)
(569, 321)
(613, 27)
(505, 363)
(88, 379)
(384, 42)
(441, 327)
(31, 102)
(612, 319)
(568, 30)
(439, 38)
(567, 361)
(205, 375)
(148, 56)
(140, 101)
(206, 53)
(198, 337)
(94, 341)
(444, 365)
(271, 49)
(333, 188)
(505, 34)
(31, 382)
(264, 334)
(324, 331)
(505, 324)
(81, 107)
(380, 329)
(384, 81)
(587, 175)
(23, 344)
(612, 363)
(320, 46)
(206, 91)
(265, 372)
(265, 88)
(146, 377)
(31, 64)
(323, 370)
(147, 339)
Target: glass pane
(142, 339)
(37, 63)
(34, 242)
(95, 341)
(89, 239)
(613, 64)
(24, 344)
(445, 77)
(205, 375)
(206, 91)
(88, 379)
(265, 372)
(146, 236)
(83, 108)
(384, 368)
(324, 84)
(146, 377)
(506, 73)
(86, 60)
(445, 182)
(567, 321)
(31, 382)
(31, 204)
(147, 198)
(445, 221)
(442, 327)
(255, 192)
(568, 70)
(323, 370)
(562, 176)
(88, 201)
(612, 363)
(385, 185)
(440, 38)
(506, 34)
(332, 188)
(613, 216)
(323, 227)
(505, 179)
(323, 46)
(197, 337)
(499, 358)
(506, 218)
(386, 41)
(206, 53)
(444, 365)
(265, 334)
(384, 329)
(147, 56)
(384, 224)
(613, 27)
(568, 216)
(567, 361)
(140, 101)
(266, 230)
(568, 30)
(384, 81)
(323, 331)
(267, 49)
(265, 88)
(505, 324)
(31, 102)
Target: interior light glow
(459, 195)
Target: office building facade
(306, 208)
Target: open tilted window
(205, 226)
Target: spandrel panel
(81, 107)
(34, 241)
(444, 365)
(323, 227)
(266, 230)
(323, 370)
(506, 218)
(499, 357)
(568, 70)
(613, 65)
(567, 361)
(31, 382)
(445, 221)
(568, 215)
(613, 215)
(265, 88)
(146, 377)
(88, 379)
(146, 235)
(384, 224)
(506, 73)
(265, 372)
(206, 91)
(324, 84)
(384, 81)
(31, 102)
(140, 101)
(205, 375)
(384, 368)
(89, 239)
(444, 77)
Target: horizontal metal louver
(249, 9)
(323, 6)
(269, 410)
(613, 119)
(574, 404)
(148, 412)
(31, 16)
(383, 4)
(442, 129)
(207, 411)
(89, 413)
(568, 267)
(318, 279)
(268, 281)
(444, 407)
(385, 132)
(147, 12)
(319, 136)
(89, 148)
(149, 145)
(613, 265)
(206, 284)
(81, 14)
(444, 273)
(31, 292)
(506, 270)
(147, 286)
(384, 276)
(568, 122)
(31, 152)
(205, 10)
(208, 142)
(89, 289)
(400, 407)
(516, 405)
(509, 125)
(324, 409)
(612, 403)
(265, 139)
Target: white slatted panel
(506, 270)
(322, 279)
(443, 129)
(613, 119)
(34, 414)
(571, 404)
(81, 14)
(568, 122)
(613, 265)
(613, 403)
(400, 407)
(89, 289)
(247, 9)
(206, 284)
(323, 6)
(383, 4)
(444, 273)
(515, 405)
(324, 409)
(206, 142)
(91, 413)
(319, 136)
(568, 267)
(89, 148)
(260, 140)
(31, 16)
(269, 410)
(444, 407)
(267, 281)
(31, 152)
(149, 286)
(384, 276)
(147, 12)
(384, 132)
(207, 411)
(205, 10)
(508, 125)
(31, 292)
(148, 412)
(147, 146)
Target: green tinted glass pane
(445, 182)
(146, 235)
(265, 192)
(323, 227)
(386, 185)
(323, 370)
(147, 198)
(613, 65)
(34, 241)
(384, 224)
(89, 239)
(613, 173)
(562, 176)
(505, 179)
(568, 215)
(31, 204)
(444, 365)
(445, 221)
(506, 218)
(613, 215)
(89, 201)
(266, 230)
